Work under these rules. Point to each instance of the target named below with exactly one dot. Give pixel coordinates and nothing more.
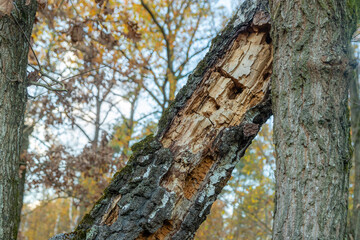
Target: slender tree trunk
(78, 216)
(57, 223)
(311, 125)
(355, 128)
(167, 188)
(22, 168)
(15, 31)
(95, 141)
(71, 219)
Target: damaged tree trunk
(311, 127)
(167, 188)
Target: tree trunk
(355, 128)
(26, 132)
(167, 188)
(311, 125)
(15, 31)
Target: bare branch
(168, 48)
(47, 87)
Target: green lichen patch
(86, 222)
(148, 145)
(165, 118)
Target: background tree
(311, 125)
(16, 26)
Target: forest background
(102, 73)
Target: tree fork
(169, 184)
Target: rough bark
(167, 188)
(355, 128)
(310, 82)
(15, 31)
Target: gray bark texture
(355, 128)
(310, 83)
(15, 30)
(167, 188)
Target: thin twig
(48, 87)
(82, 73)
(61, 82)
(49, 77)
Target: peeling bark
(167, 188)
(311, 126)
(15, 30)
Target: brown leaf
(6, 6)
(34, 76)
(132, 28)
(108, 10)
(77, 33)
(107, 40)
(90, 51)
(42, 6)
(100, 2)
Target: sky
(226, 3)
(229, 4)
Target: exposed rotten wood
(113, 212)
(215, 105)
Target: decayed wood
(171, 181)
